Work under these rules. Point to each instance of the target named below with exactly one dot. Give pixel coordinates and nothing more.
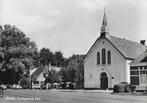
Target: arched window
(109, 57)
(103, 56)
(98, 58)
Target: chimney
(142, 42)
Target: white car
(16, 86)
(2, 86)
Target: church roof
(141, 58)
(129, 49)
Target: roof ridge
(126, 40)
(130, 49)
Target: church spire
(104, 28)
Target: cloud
(31, 14)
(131, 2)
(92, 5)
(61, 24)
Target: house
(37, 75)
(138, 70)
(107, 61)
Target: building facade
(107, 61)
(138, 70)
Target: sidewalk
(98, 91)
(86, 91)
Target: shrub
(71, 86)
(115, 89)
(63, 85)
(43, 86)
(127, 88)
(132, 88)
(121, 88)
(24, 83)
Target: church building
(108, 61)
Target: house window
(36, 82)
(109, 57)
(98, 58)
(103, 56)
(134, 68)
(134, 72)
(135, 80)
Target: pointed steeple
(104, 28)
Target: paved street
(67, 96)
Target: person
(1, 92)
(47, 86)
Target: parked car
(9, 86)
(3, 87)
(16, 86)
(63, 85)
(70, 85)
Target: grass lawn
(67, 96)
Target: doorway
(104, 81)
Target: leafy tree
(74, 71)
(64, 74)
(46, 57)
(17, 53)
(52, 76)
(24, 82)
(59, 60)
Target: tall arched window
(103, 56)
(109, 57)
(98, 58)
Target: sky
(72, 26)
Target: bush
(43, 86)
(127, 88)
(24, 83)
(63, 85)
(121, 88)
(71, 86)
(132, 88)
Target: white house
(37, 75)
(107, 61)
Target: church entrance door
(104, 81)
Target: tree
(59, 60)
(17, 53)
(74, 71)
(64, 75)
(46, 57)
(52, 76)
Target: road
(64, 96)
